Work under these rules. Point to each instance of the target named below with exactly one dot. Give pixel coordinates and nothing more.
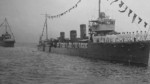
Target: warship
(103, 43)
(7, 38)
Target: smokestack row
(73, 34)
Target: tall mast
(99, 6)
(5, 25)
(46, 27)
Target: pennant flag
(145, 24)
(124, 9)
(66, 11)
(113, 2)
(69, 9)
(140, 20)
(130, 11)
(61, 14)
(79, 1)
(121, 4)
(76, 5)
(135, 15)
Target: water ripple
(26, 65)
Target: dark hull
(131, 53)
(7, 43)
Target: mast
(99, 6)
(5, 25)
(46, 27)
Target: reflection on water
(26, 65)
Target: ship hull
(130, 53)
(7, 43)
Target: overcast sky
(26, 21)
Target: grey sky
(26, 20)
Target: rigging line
(43, 27)
(2, 24)
(59, 15)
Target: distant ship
(103, 43)
(7, 38)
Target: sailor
(97, 40)
(110, 38)
(122, 37)
(103, 39)
(140, 36)
(125, 37)
(128, 36)
(137, 36)
(145, 36)
(119, 36)
(100, 39)
(114, 37)
(133, 38)
(107, 38)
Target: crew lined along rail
(121, 38)
(72, 45)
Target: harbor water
(24, 64)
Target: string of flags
(124, 8)
(67, 11)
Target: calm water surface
(24, 64)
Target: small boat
(7, 38)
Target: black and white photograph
(74, 42)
